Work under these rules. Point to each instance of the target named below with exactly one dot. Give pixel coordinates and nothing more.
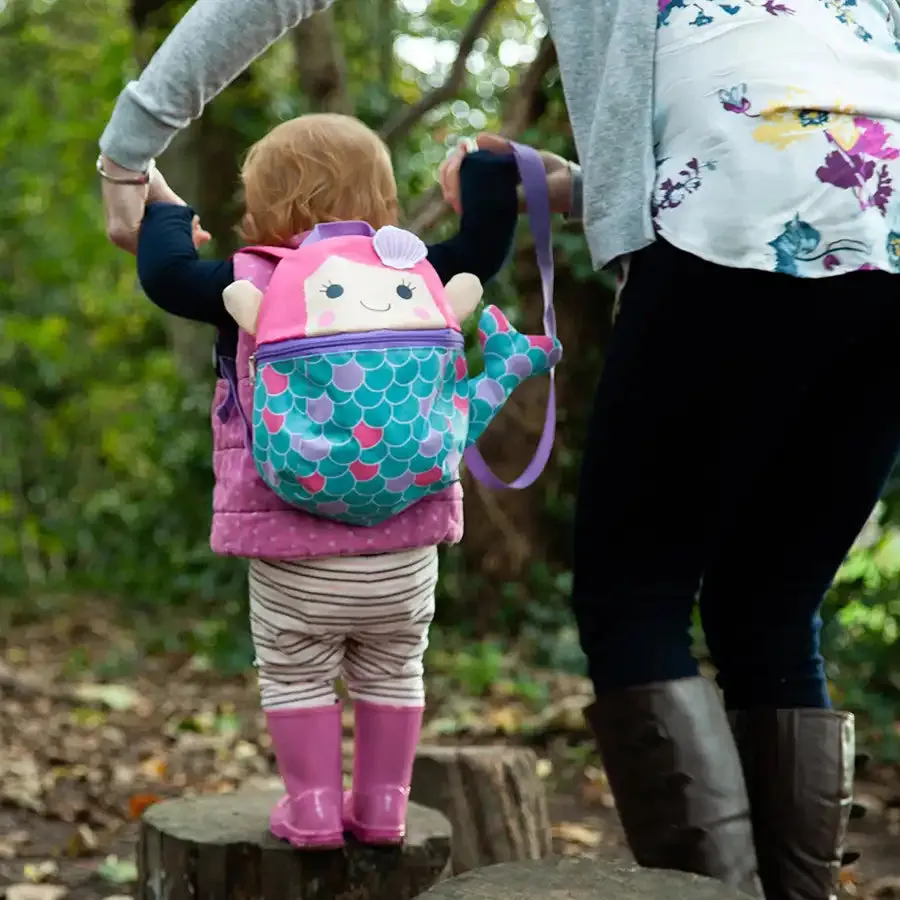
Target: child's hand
(199, 234)
(448, 174)
(559, 174)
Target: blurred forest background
(104, 435)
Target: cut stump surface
(579, 879)
(493, 797)
(218, 847)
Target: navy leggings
(743, 429)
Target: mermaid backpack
(362, 401)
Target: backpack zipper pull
(251, 364)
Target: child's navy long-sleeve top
(175, 278)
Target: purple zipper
(367, 340)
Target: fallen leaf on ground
(873, 806)
(82, 842)
(575, 833)
(443, 726)
(37, 872)
(35, 892)
(245, 750)
(11, 843)
(140, 802)
(595, 788)
(119, 697)
(118, 871)
(228, 724)
(506, 719)
(88, 717)
(566, 715)
(20, 780)
(155, 767)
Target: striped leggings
(364, 618)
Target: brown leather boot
(798, 764)
(674, 771)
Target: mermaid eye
(405, 291)
(333, 291)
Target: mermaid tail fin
(510, 358)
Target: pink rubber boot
(385, 747)
(307, 746)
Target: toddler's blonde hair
(317, 168)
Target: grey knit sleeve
(212, 44)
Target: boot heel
(799, 769)
(357, 812)
(307, 745)
(385, 748)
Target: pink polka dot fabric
(254, 269)
(250, 521)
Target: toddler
(326, 598)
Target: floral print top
(777, 133)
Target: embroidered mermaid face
(353, 284)
(344, 295)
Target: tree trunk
(321, 71)
(492, 796)
(218, 847)
(579, 879)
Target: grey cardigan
(605, 50)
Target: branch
(143, 10)
(521, 113)
(17, 17)
(387, 19)
(398, 127)
(520, 116)
(320, 64)
(516, 546)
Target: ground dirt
(83, 753)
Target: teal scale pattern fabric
(360, 435)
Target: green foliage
(481, 669)
(104, 460)
(862, 626)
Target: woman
(762, 309)
(739, 166)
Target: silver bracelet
(139, 179)
(576, 199)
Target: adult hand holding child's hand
(123, 205)
(559, 173)
(160, 192)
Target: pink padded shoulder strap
(255, 268)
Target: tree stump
(494, 800)
(579, 879)
(218, 847)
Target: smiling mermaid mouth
(375, 308)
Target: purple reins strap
(537, 203)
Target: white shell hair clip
(398, 248)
